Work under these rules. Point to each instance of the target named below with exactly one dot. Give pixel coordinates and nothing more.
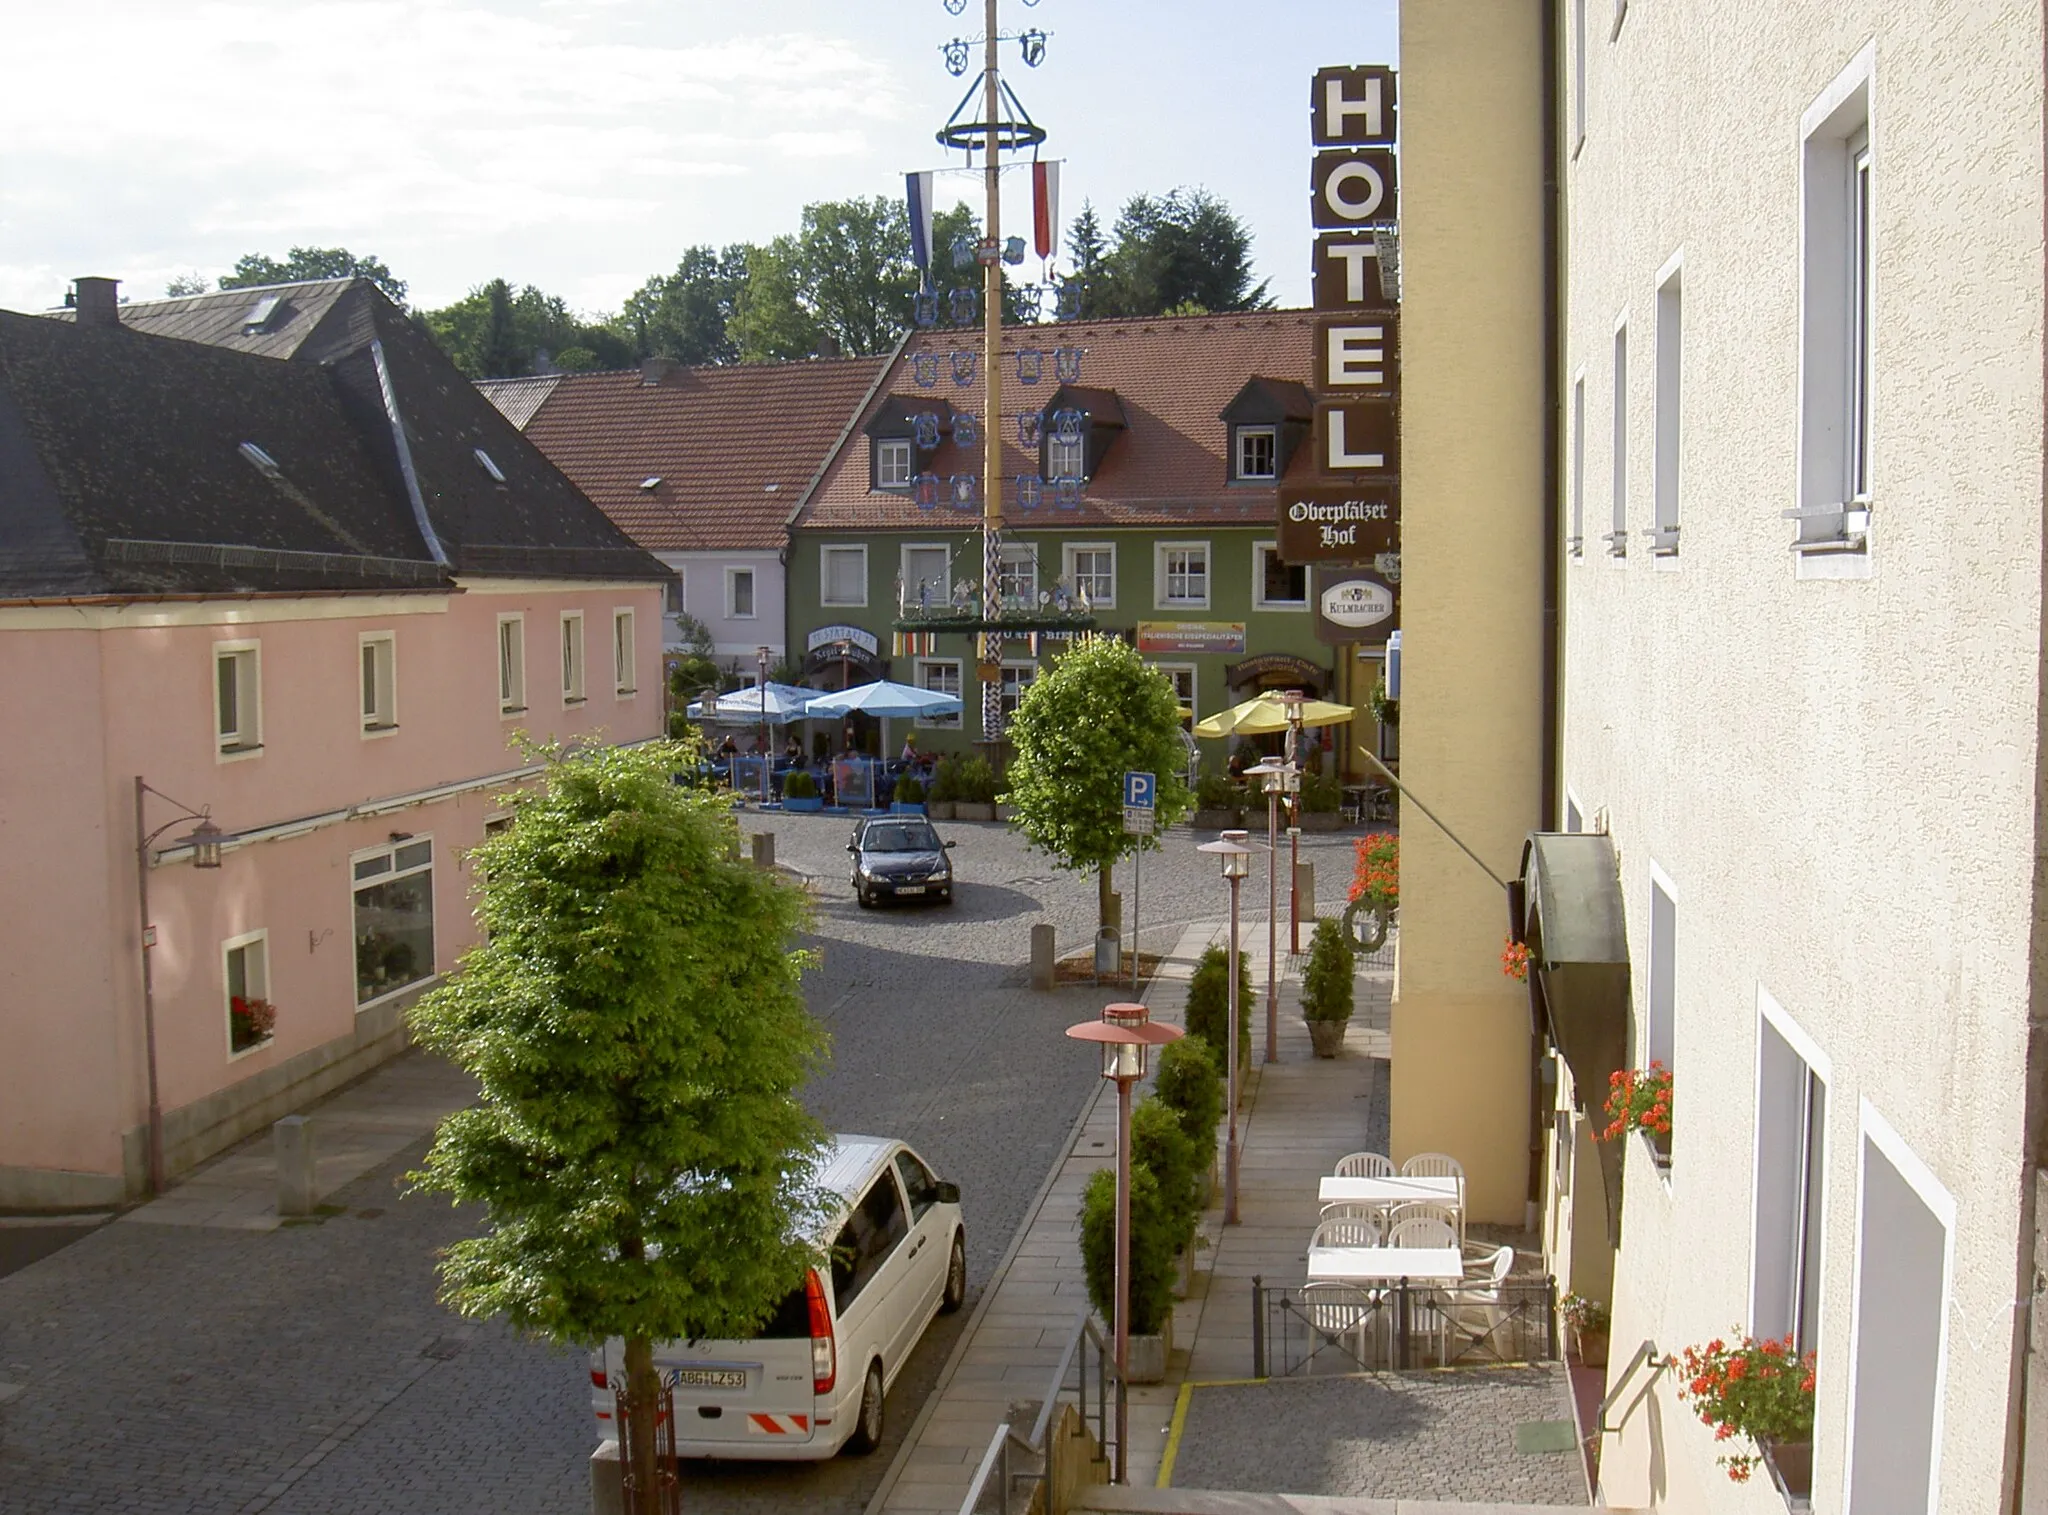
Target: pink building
(318, 596)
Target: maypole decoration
(1003, 125)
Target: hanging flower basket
(1514, 961)
(1639, 1101)
(1758, 1389)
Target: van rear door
(740, 1398)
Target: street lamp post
(204, 839)
(1273, 778)
(761, 695)
(1291, 699)
(1126, 1034)
(1237, 863)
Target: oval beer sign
(1357, 603)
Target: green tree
(687, 315)
(853, 257)
(1208, 1006)
(305, 263)
(182, 286)
(1097, 713)
(769, 318)
(1087, 251)
(1182, 250)
(637, 1030)
(495, 332)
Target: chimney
(655, 371)
(97, 302)
(828, 346)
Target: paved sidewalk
(354, 1132)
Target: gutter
(1553, 415)
(404, 446)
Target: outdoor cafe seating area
(851, 780)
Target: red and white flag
(1045, 207)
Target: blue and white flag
(919, 191)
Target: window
(511, 665)
(237, 698)
(1617, 536)
(1018, 580)
(918, 1183)
(1091, 570)
(394, 917)
(1183, 574)
(1905, 1221)
(1014, 680)
(1182, 677)
(843, 573)
(739, 594)
(1791, 1168)
(942, 675)
(572, 657)
(1835, 325)
(1066, 459)
(893, 466)
(1276, 584)
(926, 575)
(864, 1243)
(252, 1020)
(1670, 408)
(1661, 999)
(1575, 544)
(1258, 451)
(379, 651)
(672, 596)
(624, 683)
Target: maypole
(990, 251)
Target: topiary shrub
(1214, 792)
(909, 791)
(1327, 983)
(945, 781)
(1190, 1085)
(1209, 1002)
(1321, 794)
(977, 781)
(1162, 1149)
(799, 785)
(1152, 1250)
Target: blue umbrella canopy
(884, 698)
(776, 704)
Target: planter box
(1592, 1348)
(1149, 1353)
(1322, 820)
(1327, 1037)
(1005, 812)
(802, 806)
(899, 808)
(1790, 1462)
(973, 810)
(1214, 820)
(939, 810)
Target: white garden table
(1385, 1265)
(1393, 1191)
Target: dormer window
(1258, 452)
(1078, 429)
(893, 465)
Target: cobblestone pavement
(308, 1370)
(1442, 1435)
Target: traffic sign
(1141, 790)
(1138, 820)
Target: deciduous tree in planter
(1327, 987)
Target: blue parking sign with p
(1140, 791)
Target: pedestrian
(910, 748)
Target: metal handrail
(995, 1457)
(1647, 1352)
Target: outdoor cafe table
(1391, 1191)
(1385, 1265)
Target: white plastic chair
(1337, 1311)
(1422, 1209)
(1353, 1209)
(1346, 1231)
(1422, 1231)
(1434, 1165)
(1474, 1311)
(1365, 1165)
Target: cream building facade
(1801, 510)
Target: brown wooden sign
(1354, 437)
(1345, 272)
(1355, 355)
(1352, 107)
(1352, 187)
(1354, 606)
(1339, 523)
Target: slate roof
(736, 446)
(219, 318)
(1169, 466)
(122, 470)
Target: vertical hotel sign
(1350, 513)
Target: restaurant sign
(1339, 523)
(1191, 636)
(826, 636)
(1354, 605)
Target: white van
(814, 1377)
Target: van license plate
(707, 1378)
(910, 889)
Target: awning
(1571, 918)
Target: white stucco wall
(705, 596)
(1837, 775)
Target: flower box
(899, 808)
(939, 810)
(803, 805)
(1149, 1354)
(1791, 1468)
(1326, 1037)
(1214, 820)
(973, 810)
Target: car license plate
(910, 889)
(707, 1378)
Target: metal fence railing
(1011, 1461)
(1402, 1325)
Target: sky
(582, 145)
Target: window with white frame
(942, 676)
(893, 464)
(572, 657)
(378, 651)
(1183, 574)
(1791, 1169)
(1258, 452)
(1066, 458)
(511, 664)
(625, 682)
(394, 916)
(1617, 535)
(1091, 570)
(238, 698)
(1276, 583)
(1018, 577)
(1014, 680)
(1660, 1002)
(1182, 677)
(1670, 411)
(1835, 297)
(739, 594)
(1904, 1238)
(925, 574)
(245, 970)
(1575, 544)
(843, 575)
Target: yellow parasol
(1267, 713)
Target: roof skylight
(263, 461)
(651, 482)
(261, 314)
(484, 460)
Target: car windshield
(903, 838)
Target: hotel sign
(1337, 523)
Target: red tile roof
(1174, 376)
(735, 446)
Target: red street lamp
(1274, 776)
(1127, 1035)
(1237, 865)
